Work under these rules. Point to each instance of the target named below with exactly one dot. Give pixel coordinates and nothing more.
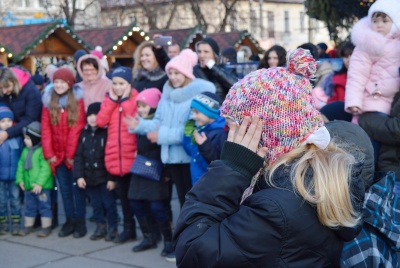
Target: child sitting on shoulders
(204, 134)
(35, 178)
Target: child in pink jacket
(373, 77)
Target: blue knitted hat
(207, 103)
(5, 112)
(124, 73)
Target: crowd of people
(276, 169)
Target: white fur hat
(389, 7)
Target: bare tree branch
(172, 14)
(198, 14)
(228, 10)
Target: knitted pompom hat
(150, 96)
(183, 63)
(282, 99)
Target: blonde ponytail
(329, 188)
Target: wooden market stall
(118, 43)
(27, 44)
(237, 39)
(185, 38)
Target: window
(271, 24)
(302, 17)
(287, 22)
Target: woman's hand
(248, 136)
(132, 121)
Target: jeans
(103, 203)
(155, 208)
(73, 197)
(180, 175)
(9, 193)
(38, 202)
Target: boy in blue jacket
(204, 134)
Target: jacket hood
(46, 98)
(87, 56)
(23, 77)
(195, 87)
(364, 38)
(389, 7)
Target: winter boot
(16, 224)
(46, 227)
(165, 228)
(80, 228)
(128, 234)
(68, 228)
(3, 225)
(111, 234)
(29, 226)
(148, 242)
(99, 233)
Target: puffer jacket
(373, 75)
(173, 111)
(386, 131)
(273, 227)
(121, 145)
(61, 140)
(96, 90)
(221, 78)
(10, 151)
(26, 106)
(40, 173)
(202, 155)
(89, 157)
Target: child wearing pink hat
(147, 196)
(284, 193)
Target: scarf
(152, 75)
(28, 159)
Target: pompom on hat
(282, 98)
(183, 63)
(150, 96)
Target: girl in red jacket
(121, 145)
(63, 118)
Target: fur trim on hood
(46, 98)
(364, 38)
(87, 56)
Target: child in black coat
(91, 174)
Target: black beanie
(33, 131)
(211, 42)
(93, 108)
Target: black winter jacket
(385, 130)
(89, 157)
(144, 189)
(221, 78)
(26, 106)
(274, 227)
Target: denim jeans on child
(103, 203)
(73, 197)
(9, 193)
(155, 208)
(38, 203)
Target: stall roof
(236, 39)
(21, 40)
(110, 38)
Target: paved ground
(31, 251)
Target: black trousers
(180, 174)
(123, 188)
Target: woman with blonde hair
(148, 69)
(21, 95)
(286, 192)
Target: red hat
(66, 75)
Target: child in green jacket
(35, 178)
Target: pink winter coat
(96, 90)
(373, 75)
(121, 145)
